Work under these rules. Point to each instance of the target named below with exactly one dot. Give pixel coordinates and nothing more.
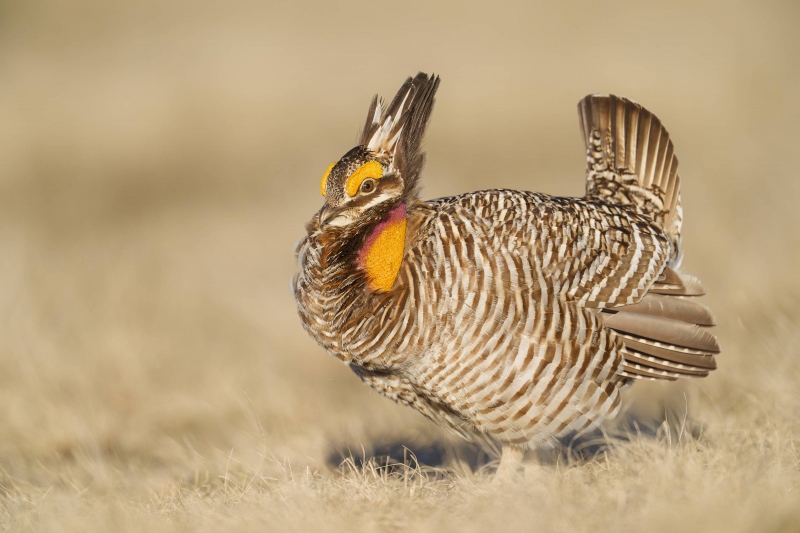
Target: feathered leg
(510, 461)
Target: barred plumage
(512, 314)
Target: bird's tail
(631, 161)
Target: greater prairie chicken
(507, 313)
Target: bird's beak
(322, 214)
(327, 214)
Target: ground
(157, 165)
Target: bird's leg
(510, 461)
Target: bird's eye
(368, 185)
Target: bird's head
(382, 172)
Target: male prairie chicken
(512, 314)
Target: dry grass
(157, 164)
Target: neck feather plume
(381, 254)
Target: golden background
(159, 159)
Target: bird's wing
(631, 161)
(606, 258)
(584, 250)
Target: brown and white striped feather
(491, 322)
(521, 315)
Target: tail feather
(631, 160)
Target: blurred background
(158, 160)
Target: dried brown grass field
(158, 161)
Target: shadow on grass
(398, 455)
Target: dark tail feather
(631, 159)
